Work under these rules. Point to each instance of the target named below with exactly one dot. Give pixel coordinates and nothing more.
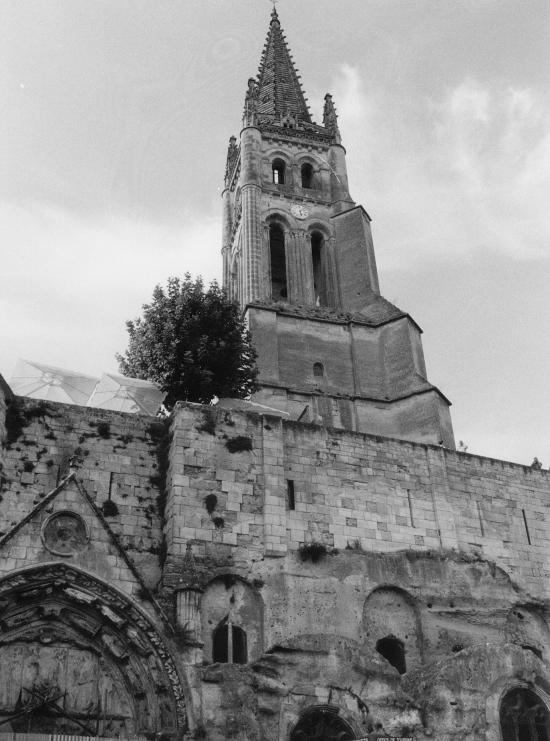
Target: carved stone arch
(390, 612)
(274, 156)
(81, 658)
(322, 723)
(287, 222)
(498, 694)
(230, 599)
(305, 163)
(315, 225)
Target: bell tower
(299, 258)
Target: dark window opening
(524, 717)
(278, 168)
(318, 370)
(229, 645)
(278, 263)
(393, 650)
(307, 175)
(319, 282)
(322, 725)
(291, 501)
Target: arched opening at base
(322, 724)
(524, 716)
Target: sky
(113, 137)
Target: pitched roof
(279, 89)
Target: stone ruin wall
(351, 491)
(444, 551)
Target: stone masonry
(446, 552)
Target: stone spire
(279, 93)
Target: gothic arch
(229, 600)
(390, 615)
(498, 694)
(322, 723)
(84, 658)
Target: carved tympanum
(79, 658)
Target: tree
(192, 342)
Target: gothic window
(393, 650)
(321, 724)
(278, 263)
(318, 370)
(278, 168)
(524, 717)
(229, 644)
(307, 175)
(319, 281)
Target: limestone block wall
(115, 458)
(349, 490)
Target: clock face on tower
(300, 212)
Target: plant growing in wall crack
(312, 551)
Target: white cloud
(444, 178)
(72, 282)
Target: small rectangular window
(290, 500)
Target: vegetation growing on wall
(239, 444)
(312, 551)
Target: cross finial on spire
(274, 16)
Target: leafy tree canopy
(192, 342)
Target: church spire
(278, 93)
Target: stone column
(188, 610)
(252, 243)
(265, 265)
(331, 276)
(307, 271)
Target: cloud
(447, 177)
(72, 282)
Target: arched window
(393, 650)
(229, 645)
(524, 717)
(307, 175)
(322, 724)
(317, 261)
(278, 168)
(318, 370)
(278, 263)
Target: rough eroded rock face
(173, 565)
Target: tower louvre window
(277, 262)
(278, 168)
(307, 175)
(319, 281)
(229, 645)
